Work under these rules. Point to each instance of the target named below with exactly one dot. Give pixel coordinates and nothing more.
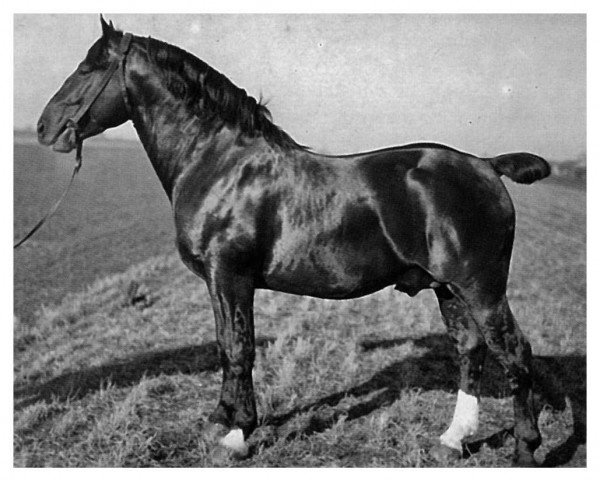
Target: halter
(72, 123)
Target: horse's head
(93, 97)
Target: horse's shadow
(435, 369)
(75, 385)
(558, 377)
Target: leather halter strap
(73, 123)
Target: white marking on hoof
(234, 440)
(464, 422)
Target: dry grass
(104, 381)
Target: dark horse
(253, 209)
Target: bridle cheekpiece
(73, 122)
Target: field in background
(116, 214)
(122, 372)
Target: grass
(123, 372)
(116, 215)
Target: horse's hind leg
(508, 344)
(472, 349)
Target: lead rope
(78, 161)
(73, 122)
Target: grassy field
(119, 369)
(115, 215)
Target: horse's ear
(107, 29)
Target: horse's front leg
(232, 297)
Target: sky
(486, 84)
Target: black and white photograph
(299, 240)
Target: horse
(253, 209)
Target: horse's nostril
(40, 128)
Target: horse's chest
(221, 227)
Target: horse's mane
(211, 95)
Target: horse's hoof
(234, 441)
(524, 461)
(226, 444)
(443, 453)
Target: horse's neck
(165, 143)
(172, 136)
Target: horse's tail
(520, 167)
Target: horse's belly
(332, 270)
